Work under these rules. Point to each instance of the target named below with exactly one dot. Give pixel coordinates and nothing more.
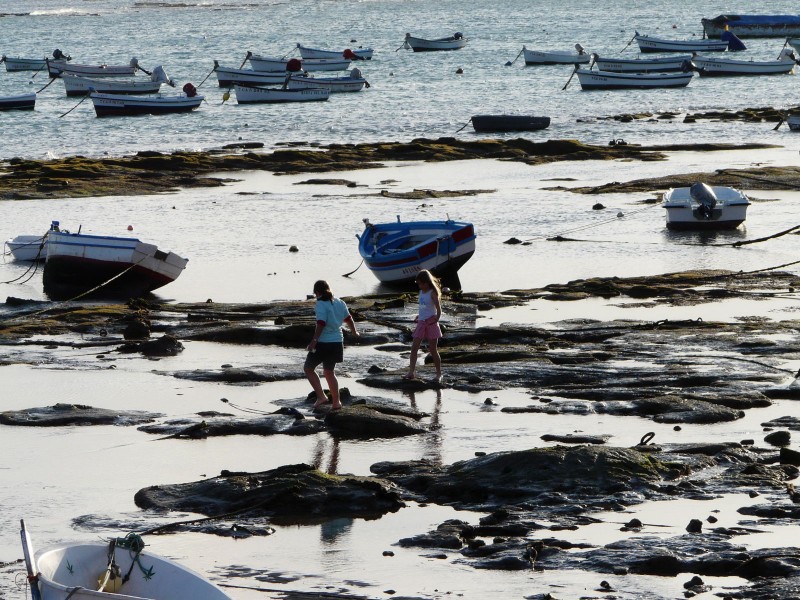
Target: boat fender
(189, 90)
(350, 55)
(294, 65)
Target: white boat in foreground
(705, 207)
(661, 64)
(77, 85)
(722, 67)
(248, 94)
(27, 247)
(109, 105)
(417, 44)
(360, 53)
(118, 570)
(653, 44)
(609, 80)
(555, 57)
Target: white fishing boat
(452, 42)
(653, 44)
(228, 76)
(119, 267)
(18, 102)
(55, 68)
(248, 94)
(32, 64)
(354, 82)
(661, 64)
(27, 247)
(721, 67)
(705, 207)
(77, 85)
(610, 80)
(269, 63)
(109, 105)
(120, 569)
(396, 252)
(555, 57)
(360, 53)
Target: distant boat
(661, 64)
(351, 83)
(360, 53)
(396, 252)
(501, 123)
(653, 44)
(33, 64)
(77, 85)
(119, 267)
(794, 122)
(417, 44)
(109, 105)
(119, 568)
(268, 63)
(705, 207)
(19, 102)
(609, 80)
(753, 25)
(248, 94)
(228, 76)
(555, 57)
(719, 67)
(55, 68)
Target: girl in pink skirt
(430, 311)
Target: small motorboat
(55, 68)
(358, 53)
(109, 105)
(396, 252)
(552, 57)
(354, 82)
(702, 206)
(109, 266)
(501, 123)
(610, 80)
(268, 63)
(119, 568)
(653, 44)
(32, 64)
(249, 94)
(19, 102)
(417, 44)
(228, 76)
(725, 67)
(27, 247)
(662, 64)
(78, 85)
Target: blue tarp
(734, 43)
(763, 20)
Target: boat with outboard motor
(702, 206)
(649, 44)
(661, 64)
(357, 54)
(417, 44)
(78, 85)
(251, 94)
(32, 64)
(55, 68)
(556, 57)
(109, 105)
(720, 67)
(610, 80)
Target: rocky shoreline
(582, 368)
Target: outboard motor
(580, 49)
(355, 73)
(734, 43)
(458, 35)
(134, 62)
(705, 197)
(59, 55)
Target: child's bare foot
(336, 406)
(319, 403)
(410, 375)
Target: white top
(427, 308)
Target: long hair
(323, 290)
(431, 280)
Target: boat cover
(734, 43)
(763, 20)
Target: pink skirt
(427, 331)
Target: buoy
(130, 227)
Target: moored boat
(705, 207)
(609, 80)
(720, 67)
(661, 64)
(452, 42)
(501, 123)
(32, 64)
(107, 105)
(27, 247)
(354, 82)
(55, 68)
(249, 94)
(396, 252)
(268, 63)
(119, 568)
(556, 57)
(753, 25)
(109, 266)
(18, 102)
(653, 44)
(77, 85)
(793, 121)
(359, 53)
(228, 76)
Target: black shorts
(327, 354)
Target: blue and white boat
(753, 25)
(396, 252)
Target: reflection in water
(432, 442)
(333, 530)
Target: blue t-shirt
(333, 312)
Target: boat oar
(511, 62)
(629, 43)
(570, 78)
(246, 58)
(354, 270)
(89, 93)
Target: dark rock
(74, 414)
(576, 438)
(166, 345)
(789, 457)
(364, 422)
(778, 438)
(137, 329)
(695, 526)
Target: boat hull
(20, 102)
(538, 57)
(28, 247)
(503, 123)
(246, 94)
(709, 67)
(77, 85)
(396, 252)
(228, 77)
(609, 80)
(56, 69)
(336, 85)
(753, 25)
(265, 63)
(685, 213)
(28, 64)
(306, 52)
(77, 263)
(110, 105)
(794, 122)
(649, 44)
(643, 65)
(441, 44)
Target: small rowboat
(19, 102)
(106, 105)
(352, 83)
(247, 94)
(566, 57)
(228, 76)
(360, 53)
(55, 68)
(705, 207)
(654, 44)
(28, 64)
(721, 67)
(643, 65)
(396, 252)
(77, 85)
(27, 247)
(501, 123)
(608, 80)
(267, 63)
(453, 42)
(120, 568)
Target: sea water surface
(237, 239)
